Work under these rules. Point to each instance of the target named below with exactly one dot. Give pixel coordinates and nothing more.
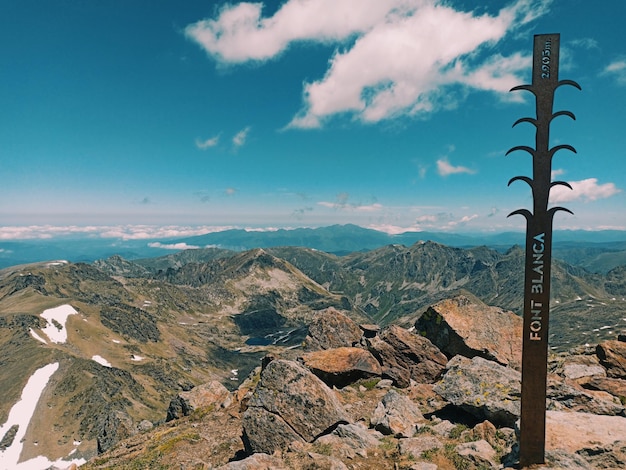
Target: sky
(150, 117)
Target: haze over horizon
(136, 119)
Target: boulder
(332, 329)
(574, 431)
(479, 453)
(417, 445)
(581, 367)
(116, 426)
(483, 388)
(327, 462)
(396, 415)
(612, 355)
(404, 355)
(256, 462)
(203, 396)
(289, 404)
(393, 366)
(471, 328)
(341, 366)
(568, 395)
(616, 387)
(350, 440)
(608, 456)
(490, 391)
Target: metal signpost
(545, 80)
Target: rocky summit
(402, 357)
(336, 408)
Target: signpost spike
(545, 81)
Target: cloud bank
(393, 57)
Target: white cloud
(445, 168)
(586, 190)
(442, 221)
(208, 143)
(173, 246)
(240, 137)
(241, 34)
(617, 70)
(401, 57)
(124, 232)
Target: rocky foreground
(444, 394)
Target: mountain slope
(132, 343)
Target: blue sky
(131, 116)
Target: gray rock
(415, 446)
(350, 440)
(423, 466)
(117, 425)
(145, 425)
(480, 453)
(397, 415)
(559, 460)
(332, 329)
(266, 432)
(209, 394)
(578, 367)
(490, 391)
(326, 462)
(290, 399)
(258, 461)
(607, 456)
(569, 395)
(483, 388)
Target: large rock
(256, 462)
(568, 395)
(573, 431)
(341, 366)
(612, 355)
(289, 404)
(483, 388)
(405, 355)
(332, 329)
(350, 440)
(490, 391)
(479, 453)
(616, 387)
(397, 415)
(470, 328)
(203, 396)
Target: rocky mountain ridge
(333, 408)
(146, 330)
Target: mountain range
(597, 251)
(147, 328)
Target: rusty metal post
(545, 81)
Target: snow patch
(20, 416)
(36, 336)
(56, 318)
(100, 360)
